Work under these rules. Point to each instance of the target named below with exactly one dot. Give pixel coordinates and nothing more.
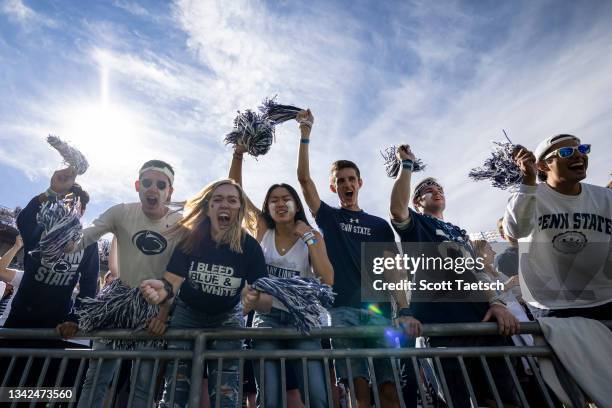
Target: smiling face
(223, 209)
(432, 200)
(567, 170)
(281, 206)
(346, 184)
(154, 190)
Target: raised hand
(404, 153)
(526, 161)
(305, 118)
(63, 180)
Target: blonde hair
(195, 225)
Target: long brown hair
(195, 225)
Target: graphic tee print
(215, 275)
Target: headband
(164, 170)
(423, 185)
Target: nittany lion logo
(570, 242)
(149, 242)
(61, 266)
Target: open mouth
(224, 219)
(348, 194)
(152, 201)
(578, 166)
(281, 212)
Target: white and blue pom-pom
(393, 164)
(277, 113)
(306, 299)
(253, 131)
(71, 155)
(61, 225)
(500, 168)
(117, 306)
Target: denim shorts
(353, 317)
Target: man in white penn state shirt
(567, 269)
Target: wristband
(309, 238)
(404, 312)
(169, 291)
(407, 164)
(305, 141)
(51, 195)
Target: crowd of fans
(195, 270)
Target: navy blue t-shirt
(44, 298)
(344, 231)
(215, 275)
(425, 229)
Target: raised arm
(6, 274)
(519, 219)
(235, 173)
(317, 252)
(400, 194)
(306, 119)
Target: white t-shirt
(5, 304)
(295, 261)
(143, 248)
(566, 260)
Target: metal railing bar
(9, 371)
(417, 374)
(240, 379)
(173, 382)
(351, 382)
(491, 382)
(135, 372)
(398, 384)
(153, 383)
(447, 396)
(466, 379)
(115, 381)
(305, 381)
(77, 382)
(374, 382)
(283, 374)
(41, 378)
(516, 382)
(261, 387)
(218, 394)
(60, 377)
(540, 381)
(92, 354)
(429, 330)
(95, 382)
(197, 369)
(328, 382)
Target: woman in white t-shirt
(291, 248)
(9, 279)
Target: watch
(169, 291)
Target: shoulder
(597, 190)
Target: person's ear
(332, 187)
(170, 191)
(137, 186)
(360, 182)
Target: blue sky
(127, 81)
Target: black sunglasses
(146, 183)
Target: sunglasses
(565, 152)
(161, 184)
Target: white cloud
(17, 11)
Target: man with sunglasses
(143, 253)
(566, 270)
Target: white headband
(164, 170)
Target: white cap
(548, 142)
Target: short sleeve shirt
(215, 275)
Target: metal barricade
(413, 358)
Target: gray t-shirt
(143, 247)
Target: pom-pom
(117, 306)
(305, 298)
(393, 164)
(277, 113)
(61, 226)
(253, 131)
(104, 247)
(500, 168)
(71, 155)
